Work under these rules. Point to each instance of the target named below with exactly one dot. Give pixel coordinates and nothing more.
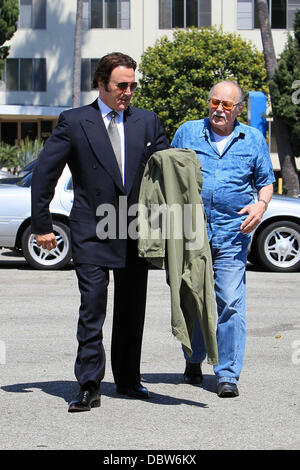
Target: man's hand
(46, 241)
(256, 212)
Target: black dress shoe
(227, 390)
(87, 398)
(193, 374)
(134, 391)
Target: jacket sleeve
(50, 164)
(151, 242)
(161, 142)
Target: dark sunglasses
(228, 105)
(124, 85)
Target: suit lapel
(96, 133)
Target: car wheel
(39, 258)
(278, 246)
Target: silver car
(15, 211)
(275, 244)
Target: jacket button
(95, 167)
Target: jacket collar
(206, 132)
(96, 133)
(206, 129)
(94, 128)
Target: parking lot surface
(37, 350)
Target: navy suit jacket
(80, 140)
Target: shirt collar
(237, 131)
(104, 109)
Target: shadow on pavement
(67, 390)
(256, 268)
(23, 266)
(13, 254)
(209, 381)
(15, 265)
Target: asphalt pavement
(37, 350)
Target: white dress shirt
(105, 110)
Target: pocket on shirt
(244, 160)
(244, 157)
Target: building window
(13, 132)
(46, 130)
(184, 13)
(9, 132)
(25, 75)
(29, 129)
(32, 14)
(106, 14)
(281, 14)
(88, 67)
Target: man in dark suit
(106, 166)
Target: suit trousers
(130, 291)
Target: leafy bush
(177, 75)
(29, 150)
(16, 157)
(9, 157)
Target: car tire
(278, 246)
(39, 258)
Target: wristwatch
(265, 203)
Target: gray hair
(241, 97)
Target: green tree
(15, 157)
(286, 83)
(9, 12)
(285, 151)
(176, 75)
(9, 157)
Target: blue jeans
(229, 265)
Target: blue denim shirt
(228, 179)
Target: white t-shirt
(221, 141)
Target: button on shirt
(229, 178)
(105, 110)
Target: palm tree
(77, 56)
(285, 154)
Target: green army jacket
(173, 236)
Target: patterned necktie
(114, 136)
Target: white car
(275, 244)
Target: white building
(37, 80)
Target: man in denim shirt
(234, 157)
